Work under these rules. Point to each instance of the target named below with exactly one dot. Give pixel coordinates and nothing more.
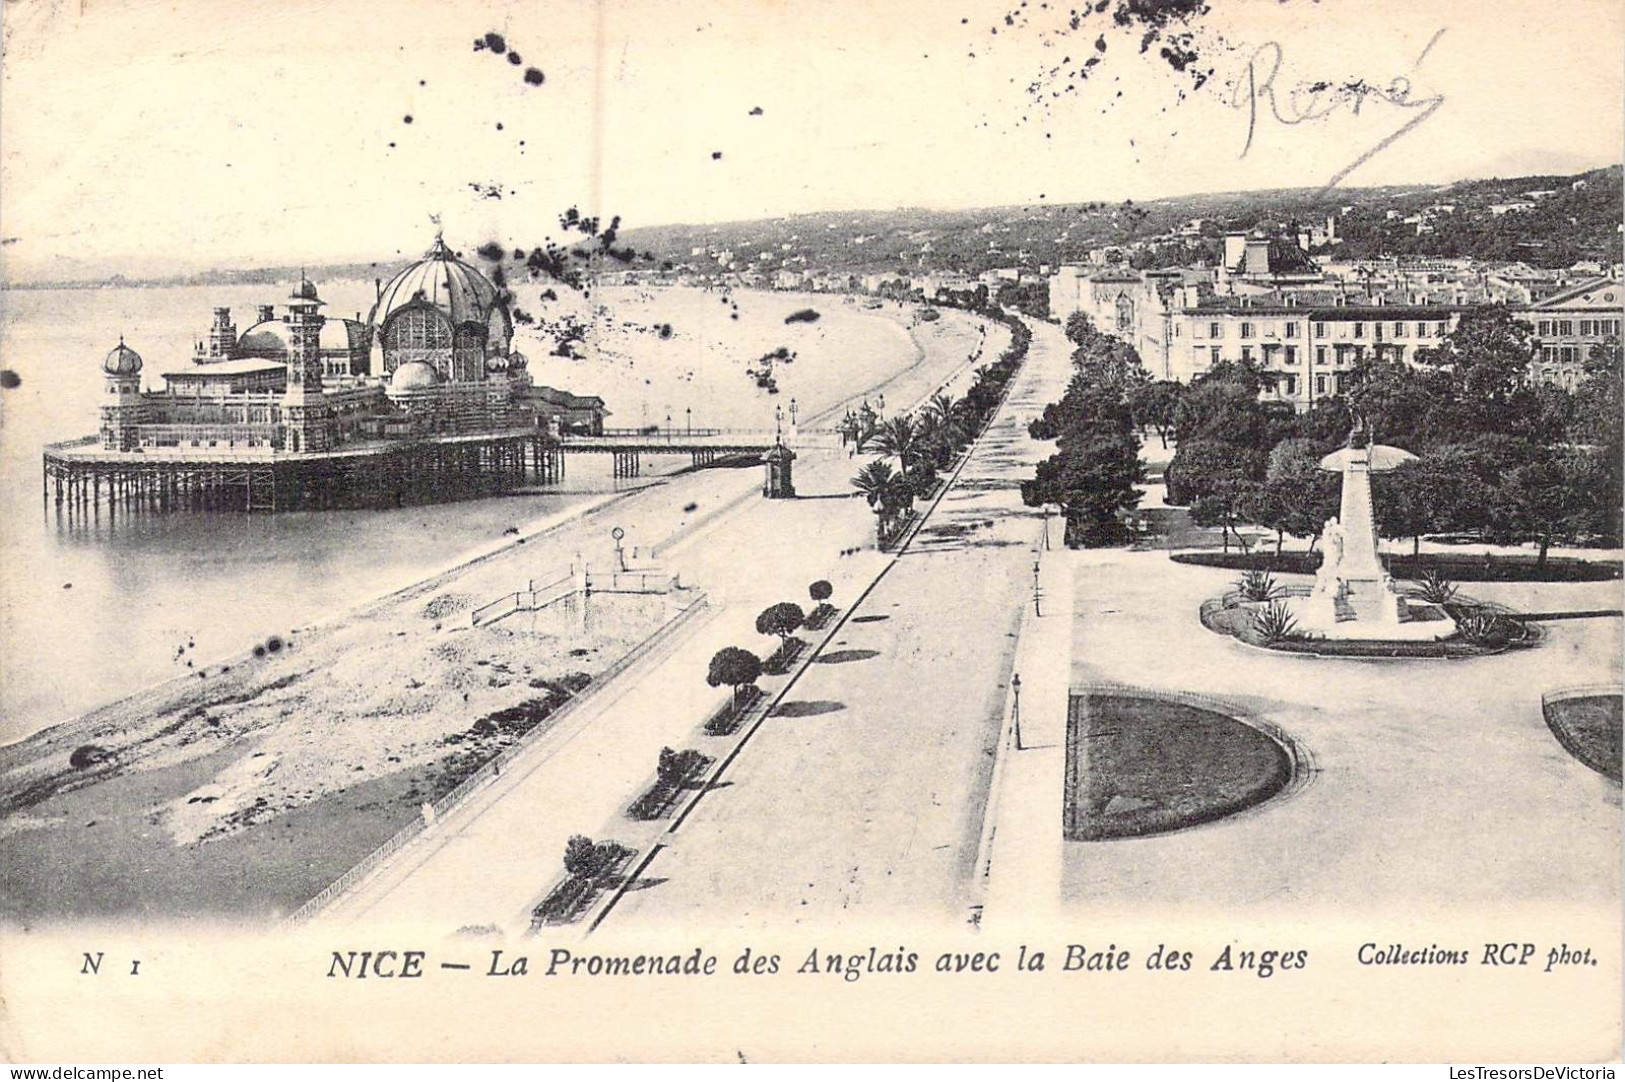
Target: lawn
(1589, 728)
(1142, 765)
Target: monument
(1354, 596)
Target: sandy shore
(240, 790)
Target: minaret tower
(304, 409)
(222, 336)
(122, 409)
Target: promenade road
(866, 790)
(491, 860)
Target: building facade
(1307, 326)
(434, 358)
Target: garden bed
(657, 801)
(779, 661)
(1588, 727)
(1139, 765)
(899, 528)
(1457, 568)
(725, 722)
(573, 896)
(1230, 616)
(820, 616)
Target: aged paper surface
(745, 532)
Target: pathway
(866, 790)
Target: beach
(239, 789)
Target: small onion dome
(496, 363)
(122, 361)
(518, 360)
(414, 376)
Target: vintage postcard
(648, 530)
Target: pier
(81, 477)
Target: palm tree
(941, 406)
(898, 438)
(875, 481)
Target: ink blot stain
(9, 379)
(716, 155)
(407, 119)
(534, 76)
(499, 125)
(756, 111)
(514, 59)
(496, 42)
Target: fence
(556, 589)
(508, 604)
(488, 772)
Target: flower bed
(779, 661)
(1457, 568)
(1234, 616)
(575, 894)
(725, 722)
(656, 802)
(820, 616)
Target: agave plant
(1482, 628)
(1258, 586)
(1435, 588)
(1274, 623)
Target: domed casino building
(433, 363)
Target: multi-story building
(1306, 344)
(1570, 325)
(1306, 326)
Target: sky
(148, 136)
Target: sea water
(93, 610)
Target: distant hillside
(1579, 220)
(1572, 224)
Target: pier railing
(492, 769)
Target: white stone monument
(1354, 596)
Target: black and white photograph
(582, 531)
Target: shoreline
(184, 775)
(468, 558)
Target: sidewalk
(1023, 848)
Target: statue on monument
(1352, 583)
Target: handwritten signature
(1256, 92)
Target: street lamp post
(1015, 710)
(688, 419)
(1036, 611)
(668, 425)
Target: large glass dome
(443, 312)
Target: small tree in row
(735, 668)
(586, 859)
(782, 619)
